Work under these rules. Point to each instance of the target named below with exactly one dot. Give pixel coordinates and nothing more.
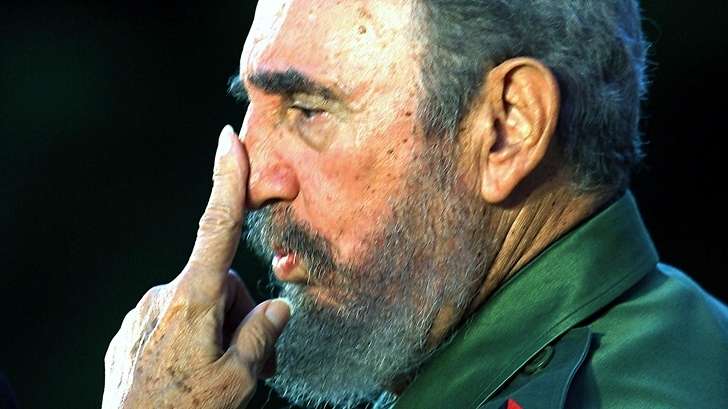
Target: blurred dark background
(109, 117)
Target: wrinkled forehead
(269, 18)
(326, 34)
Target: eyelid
(303, 106)
(308, 120)
(310, 101)
(309, 104)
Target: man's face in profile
(373, 231)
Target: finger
(269, 367)
(255, 340)
(220, 227)
(238, 303)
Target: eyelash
(307, 113)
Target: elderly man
(441, 187)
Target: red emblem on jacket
(511, 404)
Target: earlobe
(517, 113)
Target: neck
(523, 228)
(528, 224)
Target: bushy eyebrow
(237, 90)
(289, 82)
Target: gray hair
(594, 48)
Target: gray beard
(430, 257)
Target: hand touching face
(199, 341)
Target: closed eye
(307, 113)
(313, 118)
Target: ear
(512, 122)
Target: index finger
(220, 227)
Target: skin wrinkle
(382, 255)
(390, 224)
(418, 264)
(360, 173)
(272, 14)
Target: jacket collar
(574, 278)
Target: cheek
(346, 194)
(344, 202)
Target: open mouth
(291, 267)
(287, 266)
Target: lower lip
(284, 265)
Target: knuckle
(258, 339)
(188, 301)
(117, 352)
(226, 168)
(151, 303)
(148, 312)
(219, 217)
(149, 298)
(131, 321)
(220, 172)
(235, 382)
(111, 353)
(257, 343)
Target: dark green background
(109, 117)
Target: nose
(272, 178)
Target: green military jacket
(593, 322)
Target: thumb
(255, 340)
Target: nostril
(269, 202)
(253, 205)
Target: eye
(311, 121)
(308, 113)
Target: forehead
(330, 40)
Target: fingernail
(278, 312)
(225, 142)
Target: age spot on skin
(364, 13)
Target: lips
(287, 267)
(290, 267)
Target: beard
(428, 256)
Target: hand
(199, 341)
